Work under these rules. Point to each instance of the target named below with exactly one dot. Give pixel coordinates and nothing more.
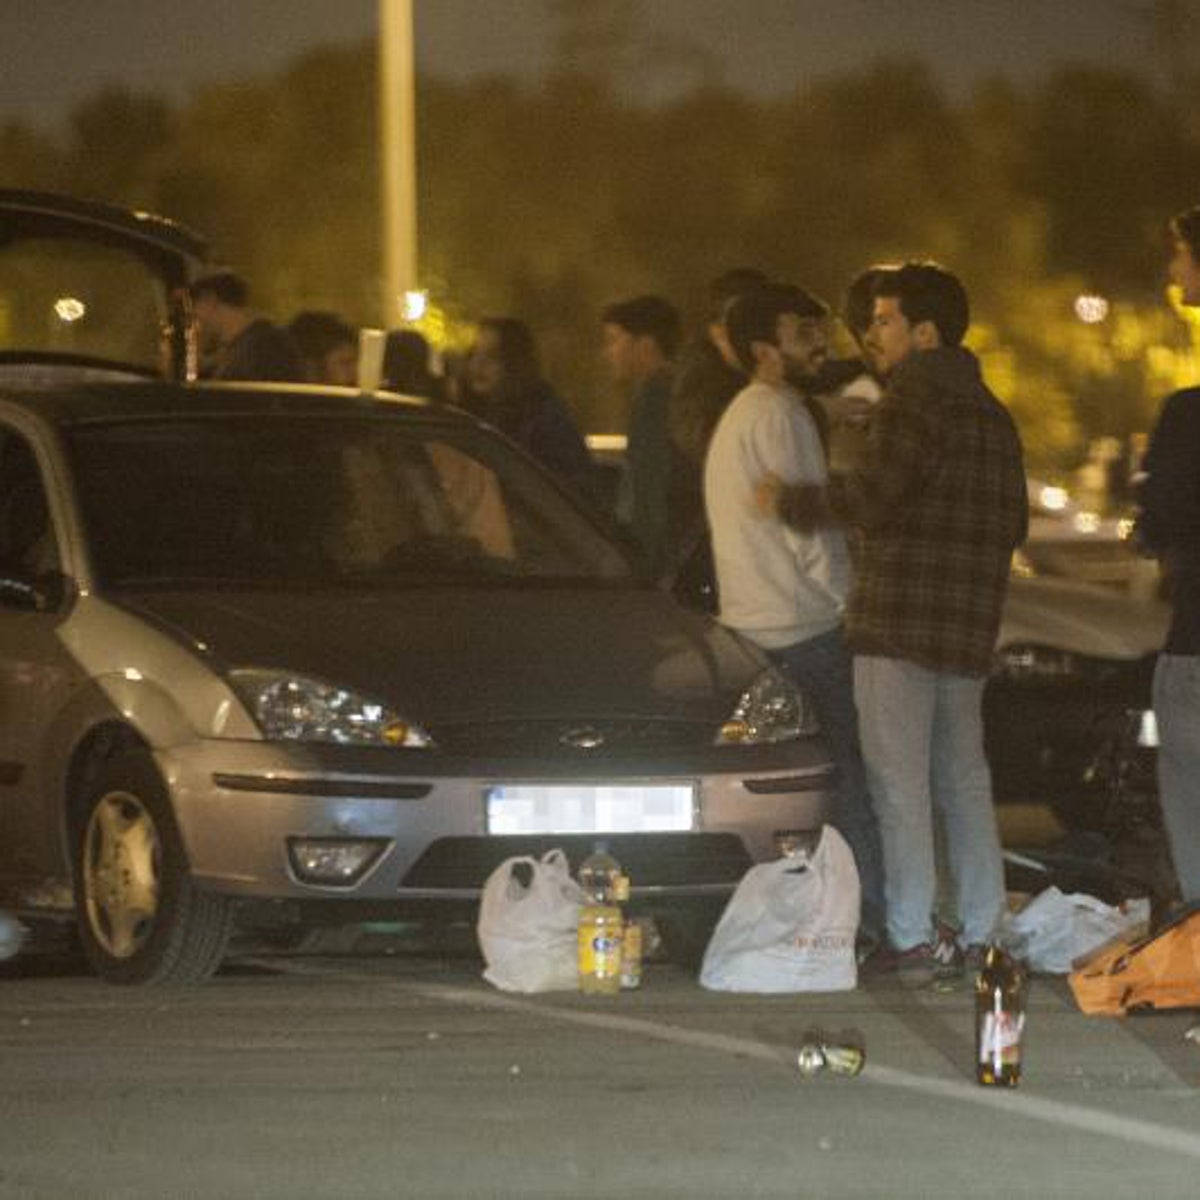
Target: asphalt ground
(403, 1074)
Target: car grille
(649, 859)
(513, 739)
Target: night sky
(56, 51)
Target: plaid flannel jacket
(937, 508)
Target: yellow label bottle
(601, 931)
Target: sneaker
(913, 968)
(949, 959)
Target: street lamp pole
(398, 156)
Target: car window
(28, 549)
(323, 500)
(66, 298)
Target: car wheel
(141, 918)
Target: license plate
(591, 808)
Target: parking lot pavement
(406, 1075)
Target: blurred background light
(1090, 308)
(69, 309)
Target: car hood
(1082, 618)
(442, 653)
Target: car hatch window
(68, 300)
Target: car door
(36, 672)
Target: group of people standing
(862, 513)
(863, 518)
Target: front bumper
(238, 804)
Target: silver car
(299, 650)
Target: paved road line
(1032, 1108)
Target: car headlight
(770, 710)
(1038, 662)
(294, 708)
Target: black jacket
(1169, 525)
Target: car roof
(84, 403)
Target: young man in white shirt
(785, 590)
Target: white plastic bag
(529, 934)
(790, 926)
(12, 934)
(1054, 929)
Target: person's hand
(849, 409)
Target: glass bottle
(999, 1019)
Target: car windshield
(79, 300)
(323, 501)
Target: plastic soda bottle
(601, 932)
(999, 1020)
(601, 924)
(600, 877)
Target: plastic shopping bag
(790, 926)
(12, 934)
(528, 930)
(1055, 929)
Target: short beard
(801, 378)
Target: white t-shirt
(777, 586)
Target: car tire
(141, 918)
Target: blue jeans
(821, 668)
(922, 740)
(1177, 711)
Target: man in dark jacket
(938, 503)
(247, 345)
(640, 338)
(1169, 527)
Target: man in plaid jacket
(937, 506)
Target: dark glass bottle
(999, 1020)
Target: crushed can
(818, 1053)
(844, 1060)
(811, 1059)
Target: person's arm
(794, 482)
(902, 451)
(803, 506)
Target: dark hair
(315, 334)
(928, 292)
(226, 286)
(406, 365)
(858, 308)
(731, 284)
(647, 316)
(754, 317)
(518, 350)
(1186, 227)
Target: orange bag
(1159, 971)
